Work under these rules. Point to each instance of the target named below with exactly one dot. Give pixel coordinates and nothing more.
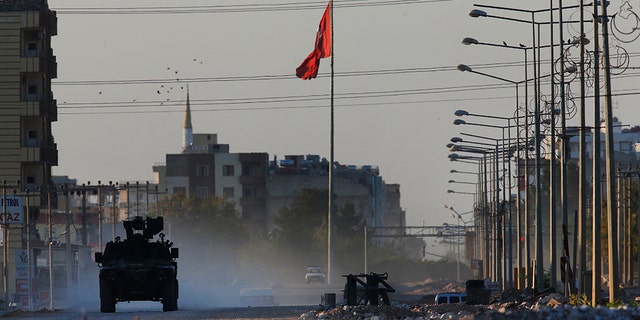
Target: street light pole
(610, 162)
(503, 212)
(552, 163)
(496, 263)
(507, 225)
(581, 220)
(596, 197)
(458, 217)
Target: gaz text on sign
(14, 213)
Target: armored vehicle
(139, 268)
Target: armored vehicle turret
(139, 268)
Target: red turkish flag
(309, 67)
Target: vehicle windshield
(128, 251)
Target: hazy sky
(122, 84)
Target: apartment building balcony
(252, 201)
(49, 21)
(41, 106)
(40, 151)
(253, 179)
(46, 64)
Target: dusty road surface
(145, 312)
(410, 302)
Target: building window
(32, 92)
(202, 192)
(179, 190)
(32, 49)
(228, 193)
(228, 170)
(202, 170)
(32, 138)
(30, 182)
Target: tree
(299, 227)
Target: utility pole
(29, 261)
(67, 238)
(5, 238)
(114, 189)
(85, 240)
(612, 209)
(50, 247)
(100, 215)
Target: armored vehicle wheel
(107, 301)
(170, 296)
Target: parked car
(450, 297)
(315, 274)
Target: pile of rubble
(509, 304)
(463, 311)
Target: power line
(628, 92)
(291, 98)
(250, 78)
(237, 8)
(403, 71)
(297, 98)
(273, 77)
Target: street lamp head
(477, 13)
(468, 41)
(454, 148)
(452, 156)
(449, 145)
(460, 113)
(452, 181)
(464, 67)
(453, 171)
(571, 69)
(456, 139)
(450, 191)
(458, 122)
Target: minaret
(187, 129)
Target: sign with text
(14, 210)
(22, 286)
(22, 264)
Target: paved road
(143, 311)
(213, 303)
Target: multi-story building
(27, 109)
(626, 142)
(206, 168)
(260, 189)
(375, 201)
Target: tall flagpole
(331, 160)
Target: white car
(315, 274)
(450, 297)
